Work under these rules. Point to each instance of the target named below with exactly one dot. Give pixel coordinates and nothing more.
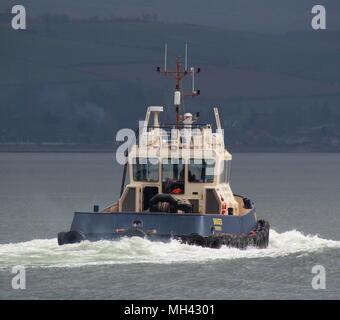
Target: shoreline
(107, 148)
(54, 147)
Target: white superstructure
(190, 162)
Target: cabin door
(148, 193)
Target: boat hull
(199, 229)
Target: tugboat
(179, 187)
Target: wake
(46, 253)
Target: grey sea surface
(299, 194)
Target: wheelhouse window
(225, 171)
(201, 170)
(173, 176)
(145, 169)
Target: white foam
(47, 253)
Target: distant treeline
(55, 83)
(54, 18)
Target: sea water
(297, 193)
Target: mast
(179, 75)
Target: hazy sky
(267, 16)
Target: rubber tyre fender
(252, 240)
(73, 236)
(134, 232)
(197, 239)
(243, 242)
(154, 202)
(215, 242)
(228, 241)
(238, 243)
(60, 238)
(259, 241)
(232, 242)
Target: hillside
(67, 80)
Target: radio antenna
(165, 55)
(192, 69)
(179, 75)
(186, 57)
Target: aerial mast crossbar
(179, 75)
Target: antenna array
(179, 75)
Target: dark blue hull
(208, 230)
(163, 224)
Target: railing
(181, 126)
